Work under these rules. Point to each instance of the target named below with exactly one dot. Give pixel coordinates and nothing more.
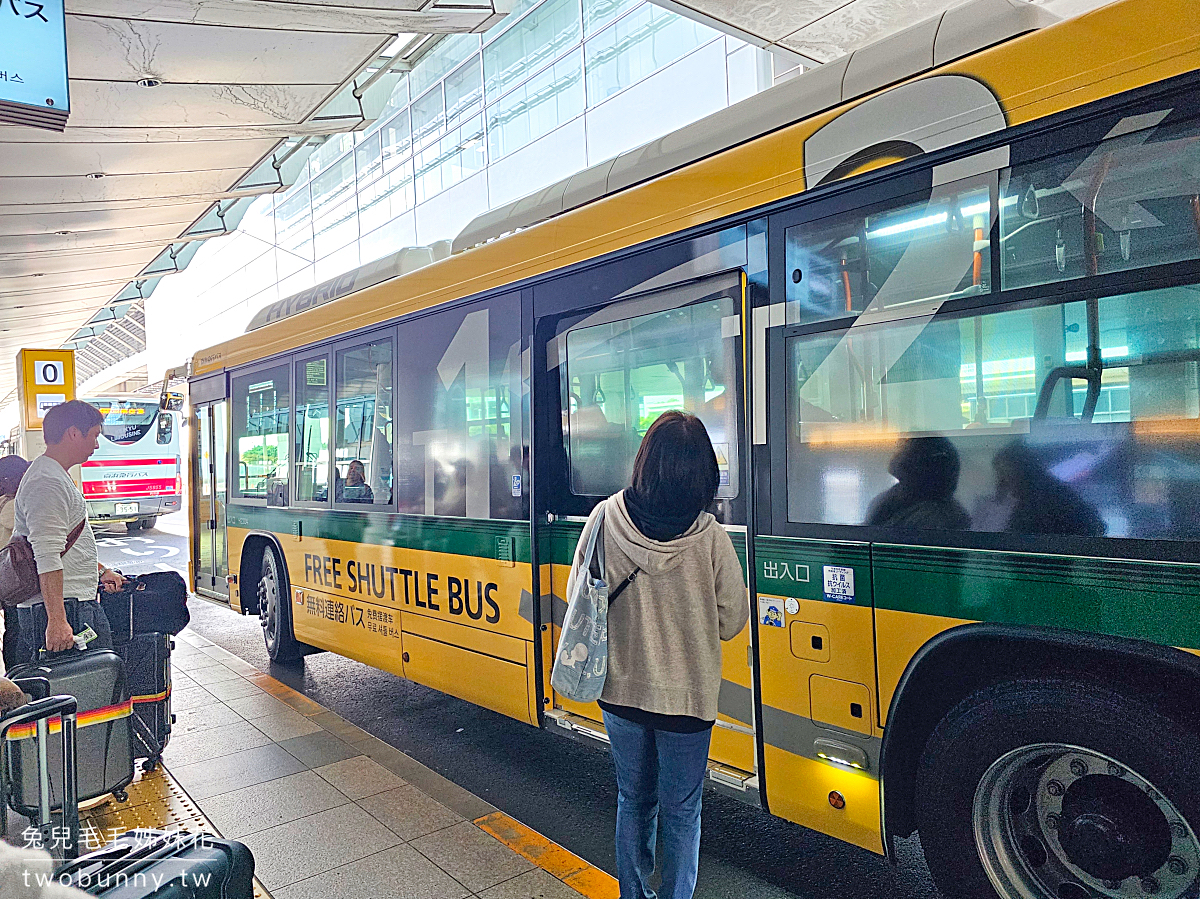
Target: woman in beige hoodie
(664, 648)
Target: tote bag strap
(593, 559)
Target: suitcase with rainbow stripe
(148, 668)
(104, 744)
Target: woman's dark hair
(12, 469)
(676, 467)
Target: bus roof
(1115, 48)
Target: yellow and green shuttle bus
(938, 304)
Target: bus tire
(147, 524)
(275, 612)
(132, 526)
(1054, 789)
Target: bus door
(865, 378)
(614, 370)
(208, 500)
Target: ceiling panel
(124, 50)
(347, 16)
(108, 238)
(235, 79)
(53, 280)
(71, 159)
(858, 23)
(88, 262)
(33, 221)
(771, 20)
(77, 189)
(192, 105)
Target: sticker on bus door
(839, 583)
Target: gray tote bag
(582, 658)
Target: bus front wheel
(274, 611)
(1057, 790)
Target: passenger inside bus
(926, 471)
(354, 487)
(1040, 503)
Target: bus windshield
(126, 421)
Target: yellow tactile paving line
(552, 858)
(542, 852)
(155, 801)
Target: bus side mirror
(166, 427)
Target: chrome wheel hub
(1054, 821)
(268, 599)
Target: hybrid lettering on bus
(136, 474)
(938, 305)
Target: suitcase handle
(39, 712)
(36, 687)
(110, 861)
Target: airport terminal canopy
(181, 113)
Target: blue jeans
(660, 776)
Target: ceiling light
(148, 82)
(94, 176)
(62, 233)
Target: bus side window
(260, 434)
(1003, 421)
(458, 432)
(621, 375)
(898, 259)
(312, 430)
(1124, 202)
(363, 425)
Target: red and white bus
(136, 474)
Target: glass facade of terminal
(481, 120)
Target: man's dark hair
(64, 416)
(676, 467)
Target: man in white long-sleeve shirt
(49, 507)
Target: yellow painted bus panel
(841, 703)
(1119, 47)
(733, 748)
(901, 635)
(352, 628)
(531, 673)
(850, 648)
(730, 747)
(466, 590)
(235, 538)
(483, 680)
(502, 647)
(798, 789)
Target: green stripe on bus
(487, 539)
(1125, 598)
(1142, 600)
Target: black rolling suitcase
(164, 865)
(154, 603)
(148, 668)
(34, 721)
(104, 744)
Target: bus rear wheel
(274, 611)
(1056, 790)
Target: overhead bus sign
(33, 64)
